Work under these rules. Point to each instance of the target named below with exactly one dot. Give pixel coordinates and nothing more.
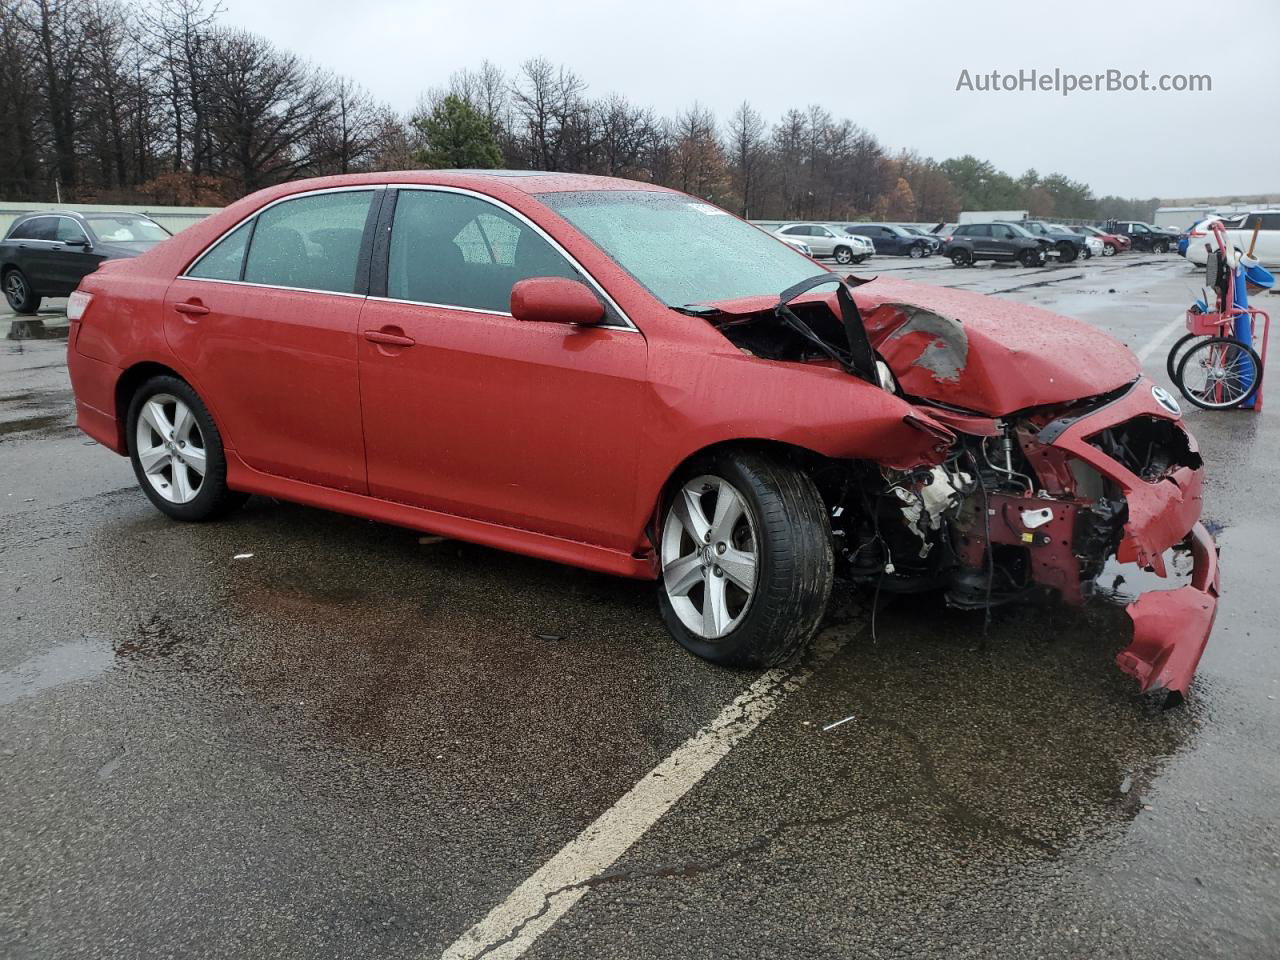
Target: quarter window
(225, 259)
(311, 243)
(457, 250)
(37, 228)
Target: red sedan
(625, 378)
(1112, 243)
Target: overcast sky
(890, 67)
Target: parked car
(1145, 236)
(935, 241)
(796, 244)
(892, 240)
(971, 242)
(1111, 243)
(1239, 228)
(1058, 240)
(47, 254)
(621, 377)
(826, 241)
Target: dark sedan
(892, 240)
(48, 254)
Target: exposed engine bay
(1047, 477)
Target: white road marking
(538, 903)
(1159, 339)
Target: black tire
(916, 251)
(1171, 362)
(861, 259)
(1066, 252)
(1160, 246)
(1086, 252)
(213, 499)
(1231, 398)
(17, 290)
(794, 562)
(1030, 258)
(961, 257)
(843, 255)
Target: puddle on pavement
(36, 330)
(65, 663)
(33, 424)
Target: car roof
(77, 215)
(525, 181)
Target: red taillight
(1196, 233)
(948, 240)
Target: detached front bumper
(1170, 627)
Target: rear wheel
(961, 257)
(17, 290)
(177, 452)
(1219, 372)
(746, 560)
(1160, 246)
(1175, 355)
(860, 259)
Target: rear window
(37, 228)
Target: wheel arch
(132, 378)
(807, 459)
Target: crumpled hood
(986, 354)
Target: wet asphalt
(354, 743)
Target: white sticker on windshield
(707, 209)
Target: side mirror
(555, 300)
(78, 242)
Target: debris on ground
(242, 556)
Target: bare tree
(748, 151)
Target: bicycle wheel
(1171, 363)
(1219, 372)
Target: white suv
(826, 242)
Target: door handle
(191, 309)
(389, 337)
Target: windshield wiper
(698, 310)
(860, 359)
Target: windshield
(127, 229)
(681, 250)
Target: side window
(225, 259)
(961, 231)
(1001, 232)
(68, 229)
(311, 243)
(981, 230)
(794, 231)
(1271, 221)
(23, 231)
(41, 228)
(456, 250)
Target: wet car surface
(354, 743)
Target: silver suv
(829, 242)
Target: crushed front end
(1037, 503)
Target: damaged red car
(622, 377)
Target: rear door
(477, 414)
(36, 255)
(983, 244)
(266, 322)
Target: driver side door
(470, 412)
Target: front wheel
(177, 452)
(1219, 372)
(1066, 253)
(916, 251)
(860, 259)
(1108, 250)
(1029, 258)
(961, 258)
(17, 290)
(844, 255)
(1160, 247)
(746, 560)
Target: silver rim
(843, 256)
(1108, 251)
(15, 289)
(709, 556)
(916, 253)
(171, 448)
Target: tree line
(106, 101)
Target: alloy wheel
(709, 556)
(15, 289)
(171, 448)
